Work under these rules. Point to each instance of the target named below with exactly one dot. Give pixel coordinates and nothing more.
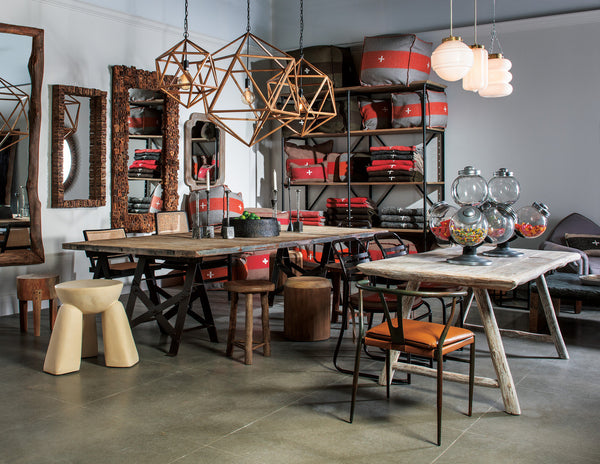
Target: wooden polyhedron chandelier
(16, 103)
(186, 71)
(72, 107)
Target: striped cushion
(406, 109)
(395, 59)
(376, 114)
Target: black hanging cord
(301, 29)
(248, 10)
(185, 63)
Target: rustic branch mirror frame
(196, 184)
(97, 148)
(123, 79)
(34, 255)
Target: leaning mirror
(204, 152)
(22, 55)
(78, 147)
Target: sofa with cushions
(578, 234)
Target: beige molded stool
(307, 302)
(35, 288)
(249, 288)
(74, 334)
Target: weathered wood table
(189, 253)
(503, 274)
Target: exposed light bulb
(302, 105)
(248, 96)
(184, 82)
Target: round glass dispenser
(469, 188)
(532, 221)
(439, 221)
(468, 228)
(501, 221)
(503, 187)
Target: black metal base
(469, 258)
(503, 250)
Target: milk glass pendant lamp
(499, 76)
(186, 71)
(453, 59)
(477, 77)
(257, 76)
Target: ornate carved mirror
(78, 147)
(204, 152)
(24, 210)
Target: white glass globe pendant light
(452, 59)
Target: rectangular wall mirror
(22, 56)
(78, 147)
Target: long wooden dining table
(189, 253)
(503, 274)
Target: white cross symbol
(306, 70)
(240, 207)
(407, 111)
(390, 172)
(202, 205)
(309, 172)
(385, 110)
(445, 109)
(428, 65)
(210, 275)
(393, 166)
(265, 261)
(381, 59)
(595, 243)
(301, 122)
(310, 256)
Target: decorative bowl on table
(252, 228)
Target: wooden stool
(75, 336)
(307, 302)
(249, 288)
(35, 288)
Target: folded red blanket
(390, 167)
(394, 147)
(147, 164)
(404, 163)
(148, 150)
(308, 214)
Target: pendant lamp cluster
(487, 74)
(274, 89)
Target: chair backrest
(574, 223)
(397, 331)
(103, 234)
(390, 244)
(171, 222)
(350, 253)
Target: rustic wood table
(503, 274)
(189, 253)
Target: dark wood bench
(561, 285)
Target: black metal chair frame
(398, 340)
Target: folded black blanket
(401, 211)
(400, 177)
(399, 218)
(403, 225)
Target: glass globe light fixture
(452, 59)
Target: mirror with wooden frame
(29, 249)
(78, 147)
(139, 118)
(204, 152)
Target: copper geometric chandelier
(15, 102)
(72, 108)
(186, 71)
(261, 75)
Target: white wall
(82, 41)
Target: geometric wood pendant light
(254, 86)
(186, 71)
(16, 103)
(72, 107)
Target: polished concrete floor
(201, 407)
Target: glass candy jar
(532, 220)
(468, 228)
(501, 221)
(503, 187)
(439, 221)
(469, 188)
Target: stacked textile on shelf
(363, 212)
(309, 218)
(146, 163)
(396, 164)
(138, 205)
(402, 218)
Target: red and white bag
(407, 110)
